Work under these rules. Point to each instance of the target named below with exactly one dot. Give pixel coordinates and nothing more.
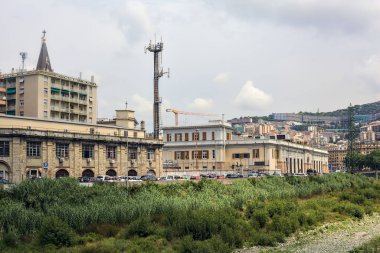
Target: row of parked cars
(116, 179)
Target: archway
(132, 173)
(33, 173)
(4, 171)
(151, 172)
(111, 173)
(88, 173)
(61, 173)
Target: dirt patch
(335, 237)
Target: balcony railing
(82, 101)
(57, 97)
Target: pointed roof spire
(44, 60)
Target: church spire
(44, 61)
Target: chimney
(142, 124)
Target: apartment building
(213, 148)
(3, 99)
(31, 147)
(44, 94)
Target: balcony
(65, 109)
(55, 108)
(11, 108)
(65, 98)
(74, 100)
(56, 97)
(83, 112)
(74, 111)
(82, 101)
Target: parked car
(103, 179)
(253, 174)
(149, 178)
(232, 176)
(167, 178)
(220, 177)
(134, 178)
(277, 174)
(195, 178)
(84, 179)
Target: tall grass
(202, 210)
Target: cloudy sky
(237, 57)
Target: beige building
(212, 148)
(44, 94)
(31, 147)
(3, 99)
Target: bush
(264, 239)
(56, 232)
(142, 227)
(105, 230)
(10, 238)
(284, 224)
(260, 218)
(349, 209)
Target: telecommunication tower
(156, 49)
(23, 58)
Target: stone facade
(17, 165)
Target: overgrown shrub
(56, 232)
(10, 237)
(350, 209)
(142, 227)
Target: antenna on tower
(156, 49)
(23, 58)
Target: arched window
(61, 173)
(111, 173)
(132, 173)
(87, 173)
(151, 172)
(4, 171)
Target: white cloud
(250, 97)
(221, 78)
(201, 104)
(370, 70)
(141, 104)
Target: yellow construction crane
(177, 112)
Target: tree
(372, 160)
(356, 160)
(352, 135)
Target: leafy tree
(372, 160)
(356, 160)
(352, 135)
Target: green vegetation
(208, 216)
(361, 161)
(372, 246)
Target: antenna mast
(23, 58)
(156, 49)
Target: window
(256, 153)
(132, 154)
(150, 154)
(168, 137)
(204, 136)
(213, 136)
(45, 114)
(4, 148)
(45, 101)
(33, 149)
(178, 137)
(111, 152)
(195, 155)
(240, 156)
(177, 155)
(196, 136)
(87, 151)
(213, 154)
(205, 154)
(62, 150)
(21, 102)
(186, 136)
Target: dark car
(85, 179)
(149, 178)
(232, 176)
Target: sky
(231, 57)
